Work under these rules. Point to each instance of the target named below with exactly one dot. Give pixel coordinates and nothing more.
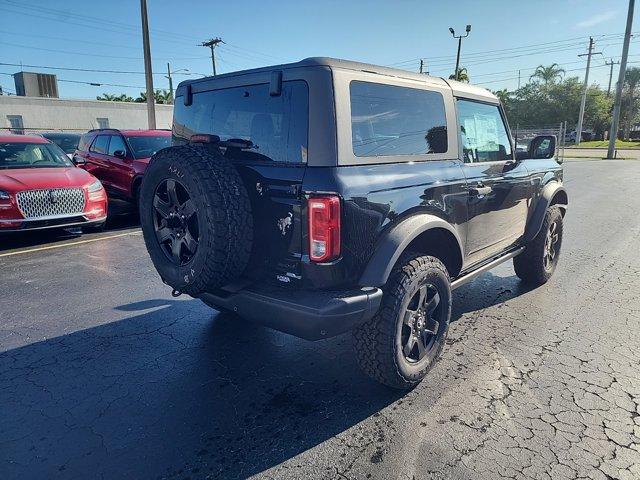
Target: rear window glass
(277, 125)
(144, 147)
(68, 143)
(390, 120)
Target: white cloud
(596, 19)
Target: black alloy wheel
(421, 325)
(551, 245)
(175, 221)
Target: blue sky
(506, 36)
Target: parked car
(41, 188)
(329, 196)
(119, 157)
(586, 136)
(68, 142)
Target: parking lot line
(69, 244)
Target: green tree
(463, 75)
(548, 74)
(538, 104)
(630, 100)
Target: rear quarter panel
(377, 197)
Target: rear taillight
(324, 228)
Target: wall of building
(51, 114)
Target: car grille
(46, 203)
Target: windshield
(144, 147)
(68, 143)
(32, 155)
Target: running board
(458, 282)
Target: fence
(524, 135)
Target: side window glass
(116, 143)
(390, 120)
(483, 136)
(100, 144)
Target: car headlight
(4, 195)
(95, 187)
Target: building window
(103, 122)
(16, 124)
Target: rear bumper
(312, 315)
(41, 223)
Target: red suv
(119, 157)
(41, 188)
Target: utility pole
(459, 37)
(623, 69)
(151, 106)
(421, 65)
(583, 101)
(212, 43)
(612, 63)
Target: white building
(35, 114)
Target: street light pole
(613, 133)
(459, 37)
(151, 106)
(170, 82)
(168, 75)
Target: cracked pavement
(104, 375)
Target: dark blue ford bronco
(328, 196)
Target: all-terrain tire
(378, 342)
(530, 265)
(223, 214)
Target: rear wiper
(237, 143)
(240, 143)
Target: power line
(68, 52)
(512, 49)
(94, 84)
(91, 70)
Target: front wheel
(402, 342)
(538, 261)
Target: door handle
(480, 189)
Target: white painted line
(70, 244)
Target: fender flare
(549, 191)
(392, 244)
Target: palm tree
(160, 96)
(548, 74)
(631, 81)
(463, 75)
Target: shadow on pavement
(122, 216)
(178, 391)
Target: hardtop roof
(458, 88)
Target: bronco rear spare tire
(196, 218)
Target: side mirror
(120, 154)
(542, 146)
(78, 160)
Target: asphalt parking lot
(104, 375)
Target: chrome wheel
(551, 245)
(420, 323)
(175, 221)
